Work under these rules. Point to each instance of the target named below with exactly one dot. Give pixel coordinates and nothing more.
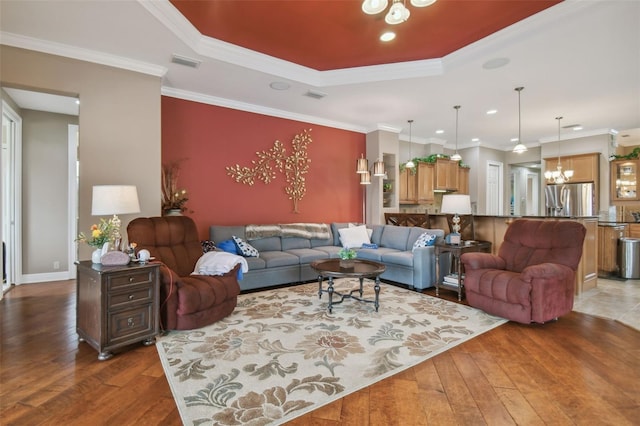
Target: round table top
(361, 268)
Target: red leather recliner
(532, 279)
(186, 301)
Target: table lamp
(455, 204)
(115, 200)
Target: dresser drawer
(133, 296)
(130, 324)
(132, 278)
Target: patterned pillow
(207, 246)
(246, 249)
(425, 240)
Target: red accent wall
(210, 138)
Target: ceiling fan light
(372, 7)
(422, 3)
(397, 14)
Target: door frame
(500, 189)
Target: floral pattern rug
(280, 354)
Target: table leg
(361, 281)
(376, 287)
(459, 277)
(437, 274)
(319, 286)
(330, 291)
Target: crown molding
(578, 135)
(220, 50)
(258, 109)
(59, 49)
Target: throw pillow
(425, 240)
(207, 246)
(229, 246)
(369, 230)
(354, 237)
(244, 248)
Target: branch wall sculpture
(275, 159)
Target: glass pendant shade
(397, 13)
(409, 164)
(362, 165)
(371, 7)
(520, 147)
(456, 156)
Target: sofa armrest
(546, 271)
(478, 260)
(424, 266)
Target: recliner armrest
(545, 271)
(478, 260)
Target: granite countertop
(615, 223)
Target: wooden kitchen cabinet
(425, 182)
(463, 180)
(117, 305)
(446, 175)
(608, 237)
(624, 180)
(634, 230)
(586, 167)
(408, 187)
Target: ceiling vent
(183, 60)
(315, 95)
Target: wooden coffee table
(361, 269)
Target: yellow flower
(95, 233)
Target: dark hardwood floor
(580, 370)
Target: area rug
(281, 353)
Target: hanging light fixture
(456, 156)
(398, 11)
(410, 164)
(378, 168)
(557, 176)
(362, 164)
(520, 147)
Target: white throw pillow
(354, 237)
(369, 230)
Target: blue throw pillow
(425, 240)
(229, 246)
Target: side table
(456, 251)
(117, 305)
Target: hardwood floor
(579, 370)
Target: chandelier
(557, 176)
(520, 147)
(398, 11)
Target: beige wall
(119, 123)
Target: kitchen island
(493, 228)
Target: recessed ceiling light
(279, 85)
(514, 139)
(492, 111)
(439, 131)
(475, 139)
(388, 36)
(576, 128)
(495, 63)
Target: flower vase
(96, 255)
(173, 212)
(346, 263)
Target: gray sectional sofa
(286, 259)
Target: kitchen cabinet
(408, 187)
(425, 182)
(446, 175)
(608, 237)
(585, 167)
(416, 186)
(463, 180)
(634, 230)
(624, 179)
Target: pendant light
(456, 156)
(520, 147)
(410, 164)
(557, 176)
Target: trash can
(629, 257)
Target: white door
(494, 188)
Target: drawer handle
(131, 296)
(130, 279)
(130, 322)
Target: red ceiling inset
(326, 35)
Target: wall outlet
(56, 265)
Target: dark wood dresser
(117, 305)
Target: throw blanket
(220, 262)
(319, 231)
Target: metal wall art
(294, 166)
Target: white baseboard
(48, 276)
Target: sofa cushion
(255, 263)
(332, 251)
(273, 259)
(354, 237)
(219, 233)
(375, 254)
(395, 237)
(404, 258)
(267, 244)
(295, 243)
(308, 255)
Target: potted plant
(346, 256)
(173, 198)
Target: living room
(131, 123)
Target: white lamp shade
(422, 3)
(114, 199)
(372, 7)
(456, 204)
(397, 14)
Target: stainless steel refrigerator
(570, 199)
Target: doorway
(11, 190)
